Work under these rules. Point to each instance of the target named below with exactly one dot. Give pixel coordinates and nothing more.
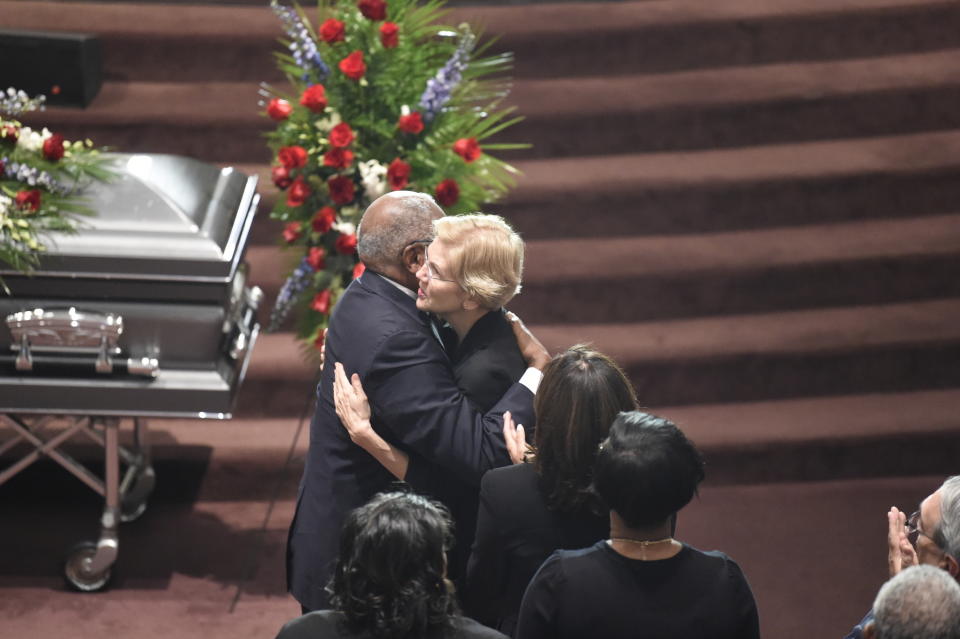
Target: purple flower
(440, 87)
(289, 292)
(302, 46)
(14, 102)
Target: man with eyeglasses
(377, 331)
(930, 536)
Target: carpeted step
(822, 352)
(631, 279)
(203, 42)
(844, 437)
(740, 106)
(723, 190)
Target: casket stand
(143, 313)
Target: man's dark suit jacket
(377, 332)
(516, 532)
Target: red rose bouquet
(42, 176)
(383, 97)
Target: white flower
(346, 228)
(404, 110)
(6, 204)
(30, 140)
(327, 123)
(373, 175)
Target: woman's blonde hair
(485, 256)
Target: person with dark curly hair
(529, 510)
(390, 578)
(641, 582)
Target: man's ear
(412, 257)
(951, 565)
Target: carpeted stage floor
(754, 205)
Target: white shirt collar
(406, 291)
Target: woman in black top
(641, 582)
(390, 579)
(527, 511)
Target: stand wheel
(134, 501)
(76, 569)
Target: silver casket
(146, 310)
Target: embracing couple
(424, 332)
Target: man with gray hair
(930, 536)
(377, 332)
(922, 602)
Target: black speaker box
(65, 67)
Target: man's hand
(515, 438)
(532, 350)
(900, 552)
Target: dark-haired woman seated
(527, 511)
(390, 579)
(641, 582)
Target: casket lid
(164, 217)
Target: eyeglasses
(431, 274)
(413, 243)
(914, 532)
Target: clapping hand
(517, 446)
(900, 552)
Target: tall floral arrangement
(42, 177)
(383, 97)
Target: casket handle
(245, 327)
(56, 337)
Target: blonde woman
(472, 268)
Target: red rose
(298, 193)
(398, 174)
(291, 232)
(323, 219)
(281, 177)
(341, 135)
(338, 158)
(279, 109)
(321, 302)
(389, 35)
(467, 148)
(353, 66)
(28, 199)
(342, 189)
(447, 192)
(314, 98)
(411, 123)
(332, 31)
(373, 9)
(346, 244)
(10, 134)
(359, 269)
(316, 257)
(53, 147)
(292, 157)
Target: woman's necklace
(643, 543)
